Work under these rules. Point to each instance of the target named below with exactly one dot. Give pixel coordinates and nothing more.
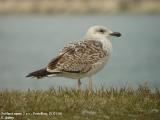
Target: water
(27, 43)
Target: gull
(80, 59)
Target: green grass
(68, 104)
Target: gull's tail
(39, 73)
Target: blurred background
(32, 32)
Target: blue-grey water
(27, 43)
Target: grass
(68, 104)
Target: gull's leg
(90, 84)
(79, 84)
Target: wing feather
(77, 57)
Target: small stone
(86, 112)
(154, 111)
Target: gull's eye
(101, 30)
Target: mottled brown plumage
(77, 57)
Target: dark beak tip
(117, 34)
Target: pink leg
(79, 84)
(90, 84)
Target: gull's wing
(77, 57)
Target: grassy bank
(79, 6)
(68, 104)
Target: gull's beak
(117, 34)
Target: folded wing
(77, 57)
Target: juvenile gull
(81, 59)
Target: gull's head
(100, 31)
